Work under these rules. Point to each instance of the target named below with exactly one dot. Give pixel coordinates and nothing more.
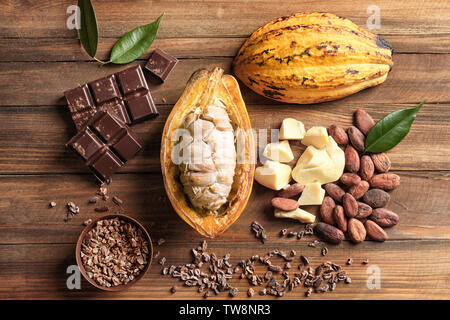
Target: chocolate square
(132, 80)
(142, 107)
(161, 64)
(107, 126)
(106, 165)
(127, 146)
(86, 144)
(105, 89)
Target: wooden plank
(43, 151)
(408, 270)
(413, 78)
(47, 49)
(421, 202)
(208, 18)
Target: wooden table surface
(40, 58)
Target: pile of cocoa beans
(355, 205)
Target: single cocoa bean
(326, 210)
(285, 204)
(329, 233)
(384, 218)
(357, 138)
(381, 162)
(367, 168)
(363, 211)
(385, 181)
(363, 121)
(356, 230)
(350, 205)
(352, 162)
(292, 191)
(334, 191)
(339, 218)
(338, 133)
(359, 190)
(376, 198)
(350, 179)
(374, 231)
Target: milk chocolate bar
(160, 64)
(125, 94)
(105, 144)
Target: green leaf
(88, 27)
(390, 130)
(133, 44)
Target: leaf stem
(100, 61)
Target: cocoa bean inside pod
(385, 181)
(338, 133)
(364, 211)
(329, 233)
(339, 218)
(374, 231)
(356, 230)
(376, 198)
(285, 204)
(367, 168)
(357, 138)
(359, 190)
(350, 205)
(292, 191)
(350, 179)
(334, 191)
(352, 161)
(381, 162)
(326, 210)
(384, 218)
(363, 121)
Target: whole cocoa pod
(326, 210)
(357, 138)
(350, 205)
(356, 230)
(381, 162)
(285, 204)
(334, 191)
(364, 211)
(384, 218)
(363, 121)
(374, 231)
(350, 179)
(329, 233)
(352, 162)
(338, 133)
(292, 191)
(376, 198)
(359, 190)
(339, 218)
(385, 181)
(367, 168)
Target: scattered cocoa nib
(366, 261)
(304, 260)
(101, 209)
(250, 292)
(324, 251)
(93, 200)
(52, 204)
(117, 201)
(283, 232)
(173, 289)
(349, 261)
(87, 222)
(161, 241)
(259, 231)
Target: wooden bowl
(80, 263)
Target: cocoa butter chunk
(279, 151)
(313, 194)
(292, 129)
(297, 214)
(273, 175)
(316, 136)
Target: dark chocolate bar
(125, 94)
(105, 144)
(161, 64)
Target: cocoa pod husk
(376, 198)
(292, 191)
(357, 138)
(339, 218)
(385, 181)
(374, 231)
(364, 210)
(358, 191)
(334, 191)
(338, 134)
(367, 168)
(329, 233)
(384, 218)
(350, 205)
(356, 231)
(363, 121)
(349, 179)
(326, 210)
(285, 204)
(381, 162)
(352, 162)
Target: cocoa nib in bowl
(113, 252)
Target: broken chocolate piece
(161, 64)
